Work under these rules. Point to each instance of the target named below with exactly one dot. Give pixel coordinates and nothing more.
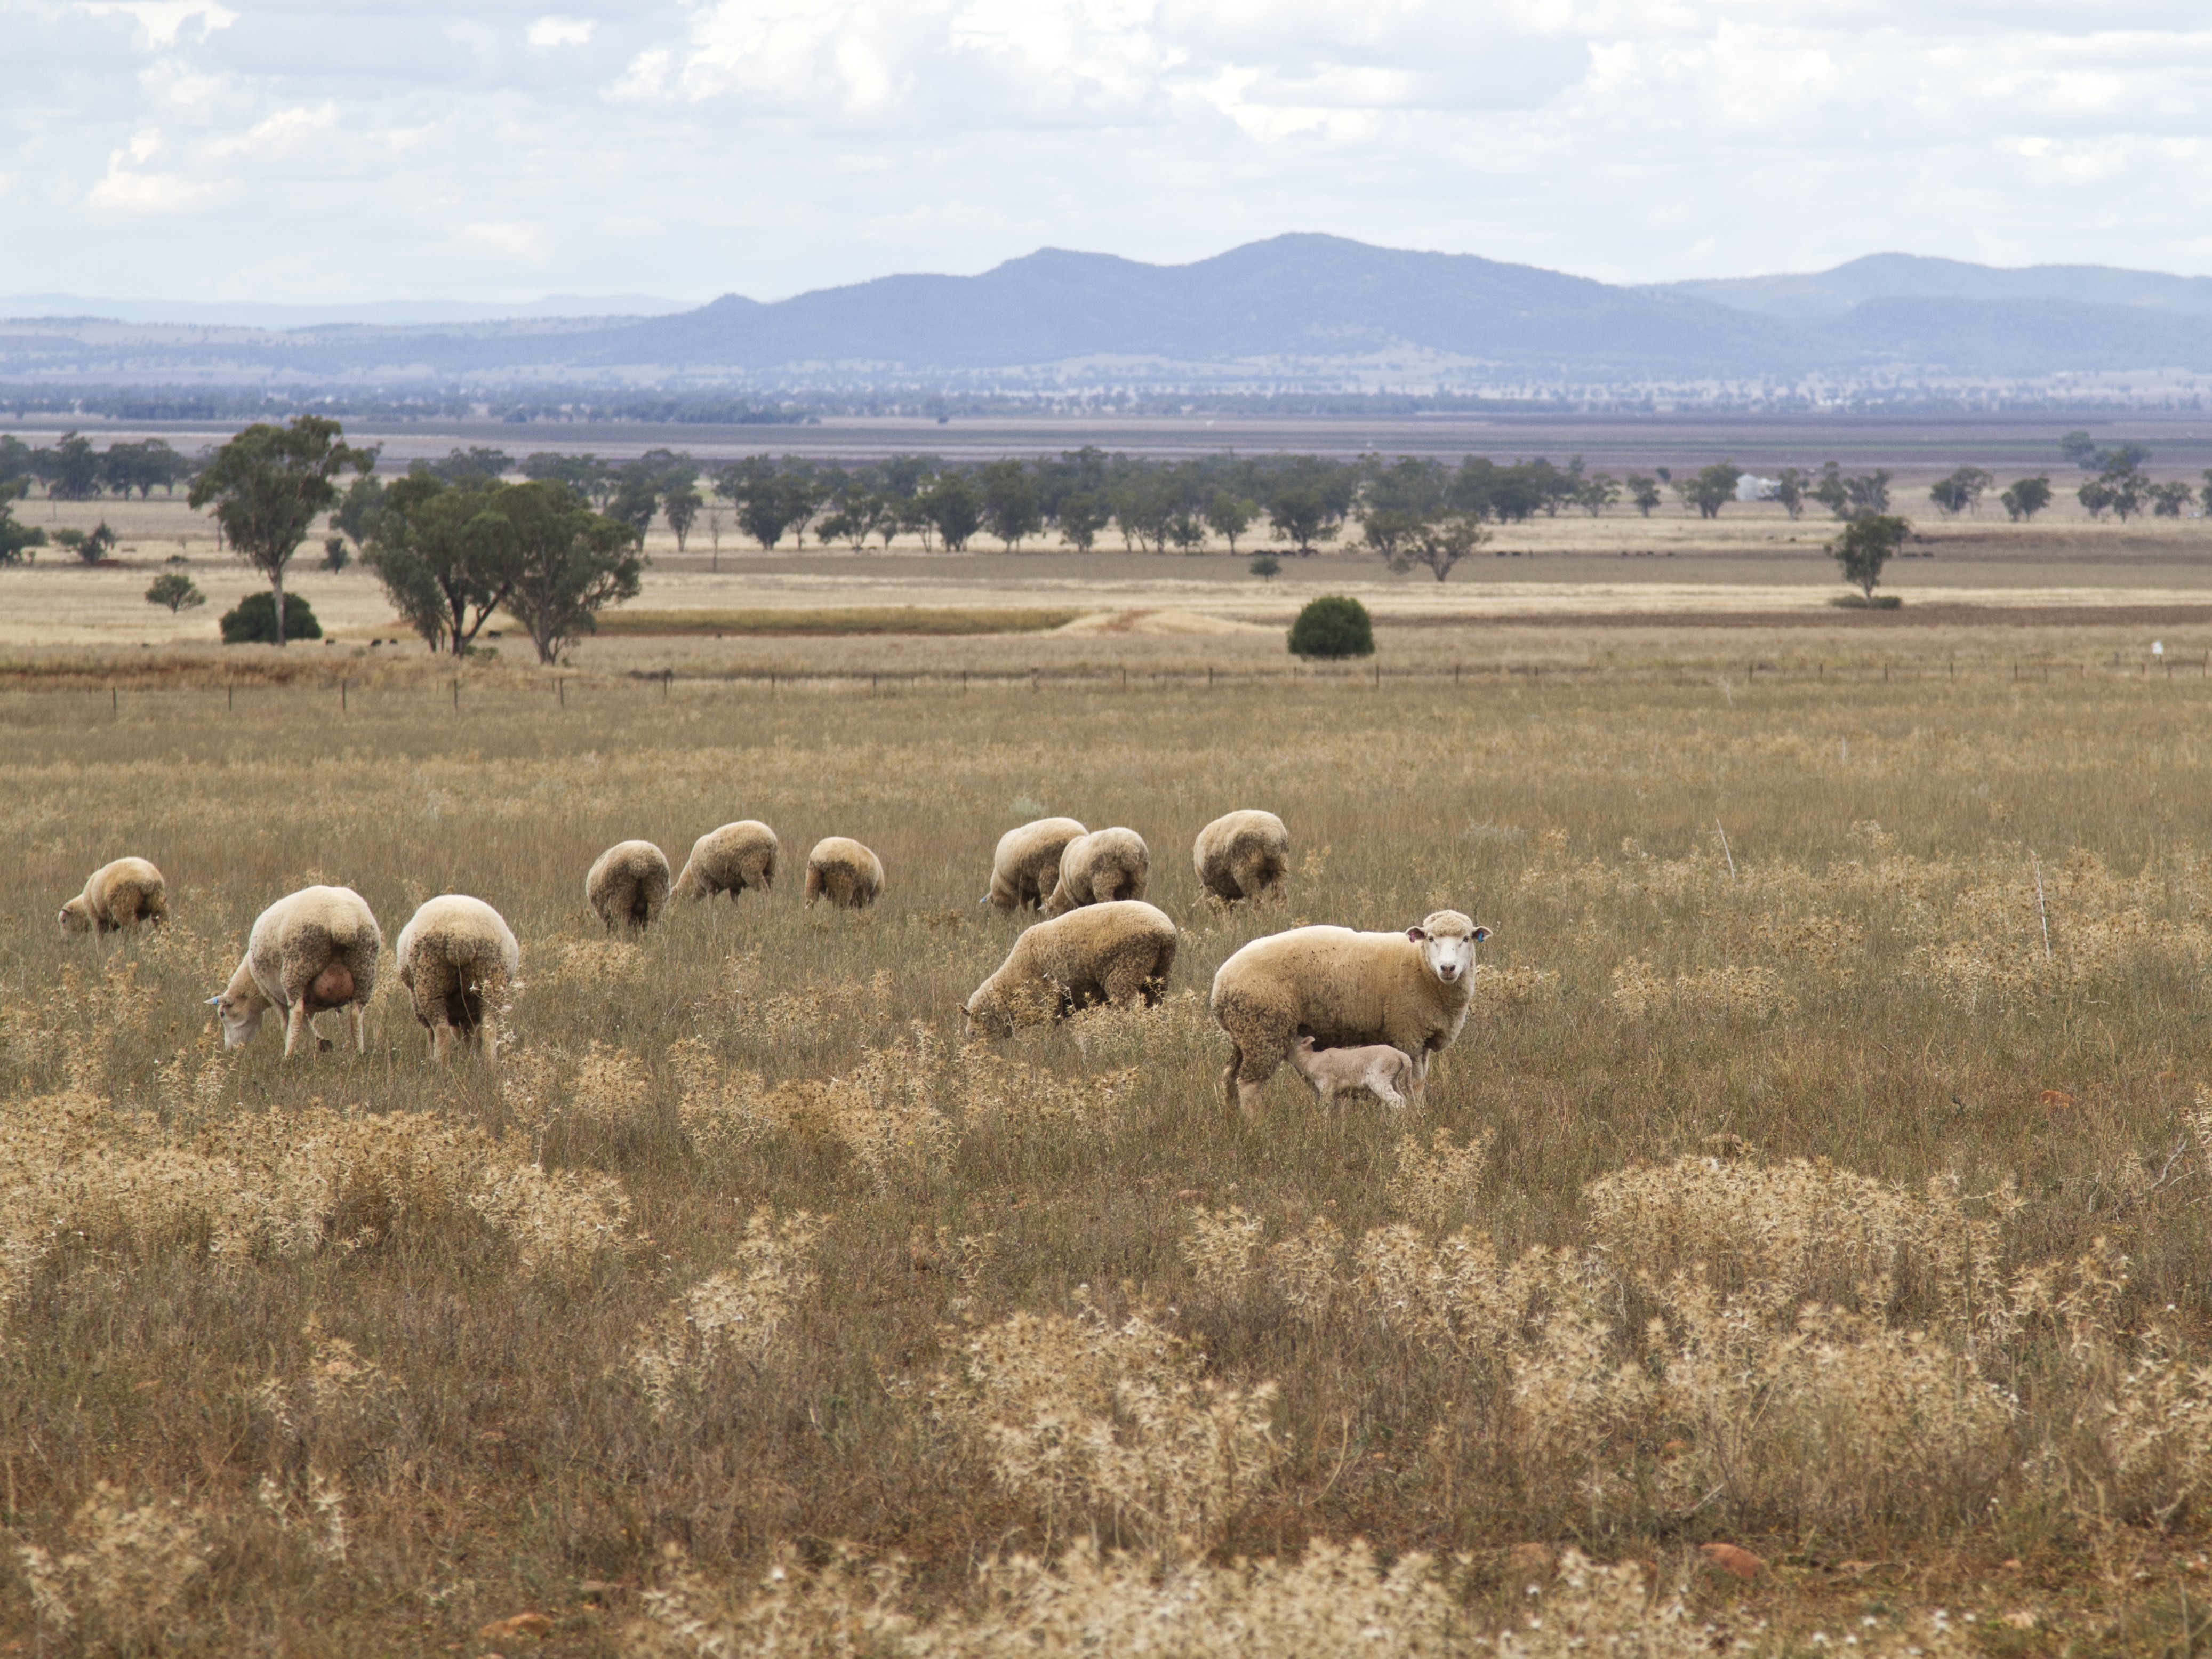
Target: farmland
(1786, 1192)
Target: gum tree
(270, 483)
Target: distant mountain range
(1297, 309)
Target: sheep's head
(76, 916)
(1447, 940)
(240, 1008)
(985, 1019)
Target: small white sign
(2157, 647)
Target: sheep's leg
(296, 1028)
(487, 1038)
(1417, 1091)
(1382, 1084)
(359, 1026)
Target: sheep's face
(985, 1023)
(240, 1015)
(76, 917)
(1447, 940)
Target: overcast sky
(481, 150)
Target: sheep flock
(1353, 1012)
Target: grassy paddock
(742, 1250)
(837, 620)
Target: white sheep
(119, 894)
(1026, 866)
(1100, 867)
(1101, 953)
(1243, 855)
(312, 951)
(1384, 1071)
(628, 885)
(1345, 988)
(730, 860)
(457, 959)
(845, 872)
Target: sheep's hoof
(324, 1045)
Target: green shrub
(1333, 626)
(254, 621)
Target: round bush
(1333, 626)
(254, 621)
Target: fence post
(561, 689)
(114, 702)
(342, 704)
(229, 697)
(457, 692)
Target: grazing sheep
(1385, 1073)
(119, 894)
(1027, 863)
(1243, 855)
(845, 872)
(312, 951)
(1099, 868)
(456, 958)
(1409, 990)
(1100, 953)
(729, 860)
(628, 883)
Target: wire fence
(345, 694)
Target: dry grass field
(1823, 1174)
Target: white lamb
(1384, 1071)
(311, 951)
(1409, 990)
(458, 957)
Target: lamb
(1026, 866)
(845, 872)
(456, 958)
(1243, 855)
(1385, 1073)
(312, 951)
(1345, 988)
(628, 883)
(1100, 953)
(116, 895)
(1099, 868)
(730, 860)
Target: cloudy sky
(279, 151)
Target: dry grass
(926, 620)
(1789, 1195)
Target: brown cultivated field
(1805, 1246)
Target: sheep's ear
(1415, 934)
(214, 1002)
(1480, 934)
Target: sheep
(1099, 868)
(1100, 953)
(1385, 1073)
(119, 894)
(311, 950)
(845, 872)
(1027, 863)
(628, 883)
(456, 958)
(1409, 990)
(730, 860)
(1243, 855)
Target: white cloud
(790, 143)
(163, 20)
(561, 31)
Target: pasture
(1822, 1173)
